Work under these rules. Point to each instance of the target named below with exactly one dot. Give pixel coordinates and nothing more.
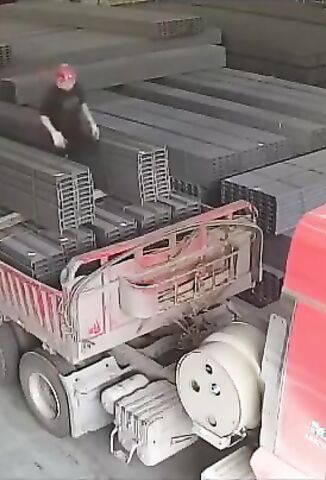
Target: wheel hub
(44, 396)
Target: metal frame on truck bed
(121, 309)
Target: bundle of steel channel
(202, 149)
(5, 55)
(145, 23)
(28, 89)
(179, 26)
(282, 193)
(40, 253)
(51, 191)
(111, 225)
(152, 215)
(72, 243)
(33, 255)
(304, 135)
(137, 171)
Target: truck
(145, 336)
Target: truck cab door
(301, 439)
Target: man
(64, 111)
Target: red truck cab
(299, 446)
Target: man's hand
(59, 140)
(95, 131)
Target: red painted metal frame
(108, 253)
(40, 308)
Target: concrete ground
(28, 452)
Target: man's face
(67, 84)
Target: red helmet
(65, 73)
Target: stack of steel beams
(183, 205)
(163, 212)
(150, 24)
(5, 55)
(23, 125)
(296, 52)
(201, 152)
(43, 49)
(139, 173)
(188, 188)
(51, 191)
(42, 253)
(137, 170)
(183, 152)
(28, 89)
(152, 215)
(231, 151)
(32, 254)
(282, 193)
(305, 135)
(146, 219)
(105, 231)
(179, 25)
(269, 144)
(72, 243)
(111, 226)
(255, 91)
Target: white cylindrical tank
(219, 383)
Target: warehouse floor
(29, 452)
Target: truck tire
(45, 394)
(9, 355)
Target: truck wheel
(45, 393)
(9, 355)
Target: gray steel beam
(276, 147)
(310, 76)
(256, 96)
(41, 254)
(251, 154)
(5, 54)
(307, 135)
(300, 92)
(18, 30)
(300, 88)
(287, 10)
(51, 191)
(289, 49)
(190, 160)
(29, 89)
(138, 169)
(23, 125)
(282, 193)
(119, 20)
(40, 53)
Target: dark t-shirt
(64, 108)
